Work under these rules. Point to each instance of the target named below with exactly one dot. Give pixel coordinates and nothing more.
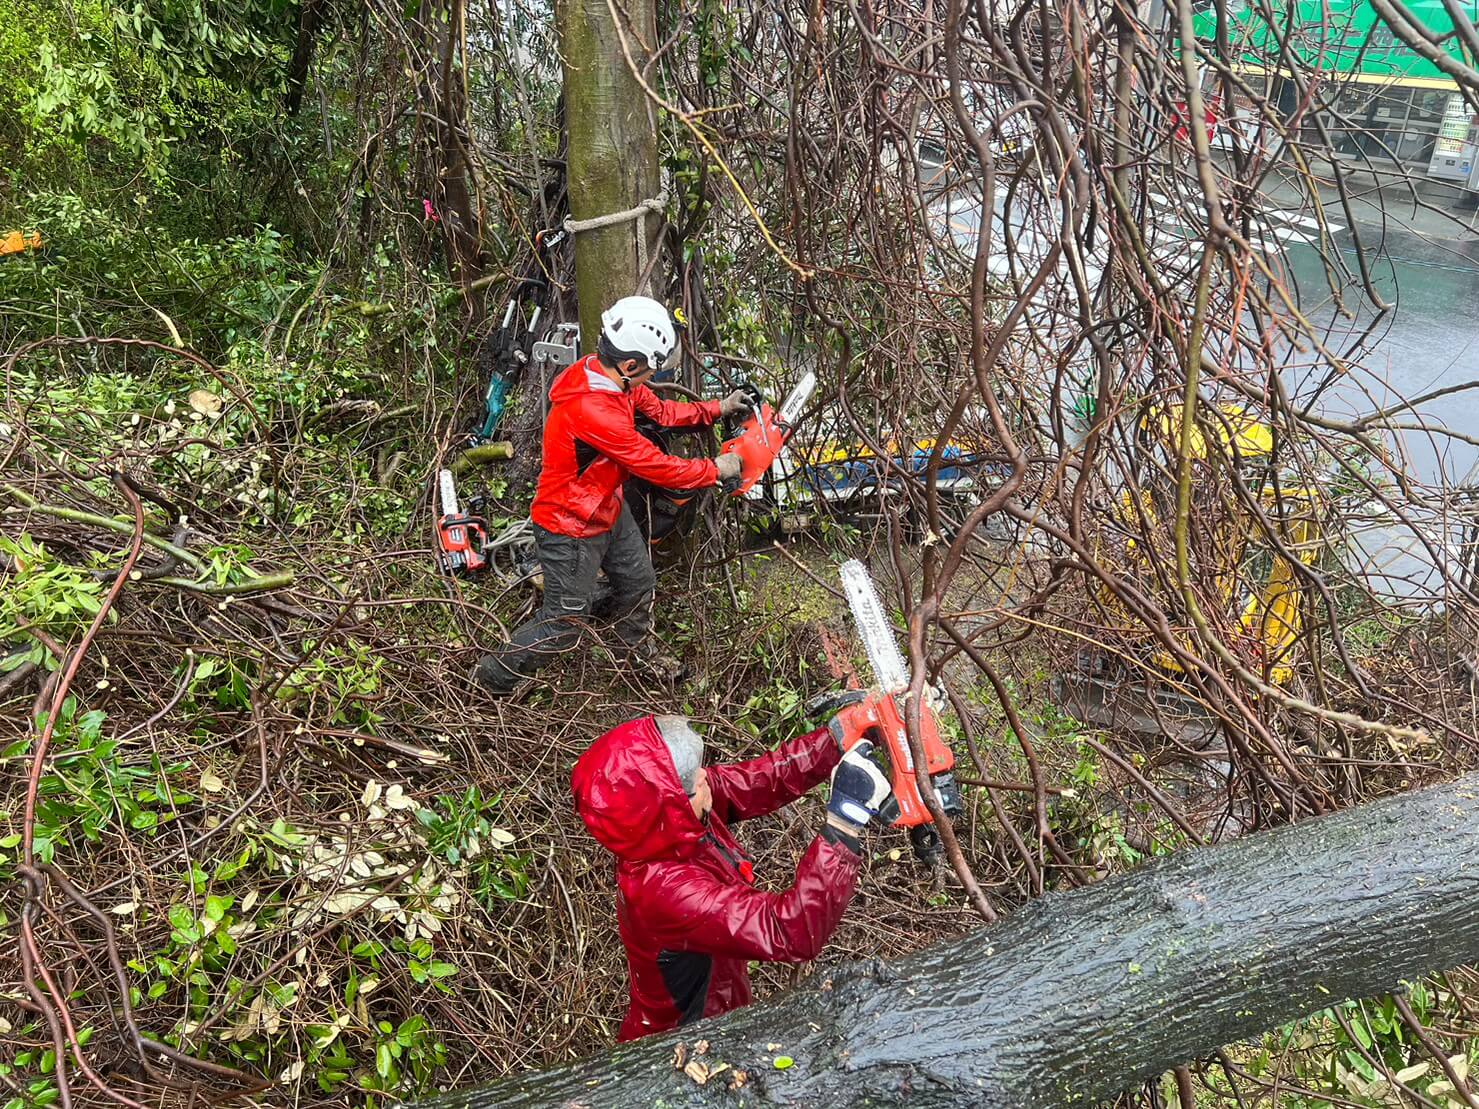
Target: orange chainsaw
(878, 714)
(762, 436)
(462, 537)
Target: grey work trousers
(570, 568)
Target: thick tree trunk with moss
(1082, 995)
(612, 162)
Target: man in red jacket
(689, 914)
(581, 523)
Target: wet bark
(612, 164)
(1079, 996)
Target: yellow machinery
(1267, 585)
(1251, 594)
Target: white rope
(595, 223)
(638, 212)
(515, 534)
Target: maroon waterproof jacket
(591, 445)
(689, 914)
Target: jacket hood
(582, 377)
(628, 793)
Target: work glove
(738, 403)
(860, 794)
(729, 467)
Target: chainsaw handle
(730, 485)
(832, 701)
(735, 422)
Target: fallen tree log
(1082, 995)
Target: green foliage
(775, 712)
(425, 967)
(1368, 636)
(1079, 816)
(145, 140)
(39, 591)
(460, 829)
(406, 1057)
(279, 1021)
(94, 786)
(1335, 1050)
(340, 682)
(35, 1068)
(137, 79)
(107, 269)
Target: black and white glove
(860, 794)
(738, 403)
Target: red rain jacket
(689, 914)
(591, 445)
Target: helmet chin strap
(626, 381)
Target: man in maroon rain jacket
(582, 525)
(689, 914)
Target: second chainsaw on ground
(462, 537)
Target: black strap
(833, 834)
(585, 456)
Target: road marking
(1302, 220)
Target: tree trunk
(310, 17)
(1082, 995)
(458, 204)
(613, 147)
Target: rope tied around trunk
(637, 212)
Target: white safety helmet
(639, 327)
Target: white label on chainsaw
(796, 400)
(874, 627)
(903, 748)
(449, 493)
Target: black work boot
(495, 678)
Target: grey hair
(686, 747)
